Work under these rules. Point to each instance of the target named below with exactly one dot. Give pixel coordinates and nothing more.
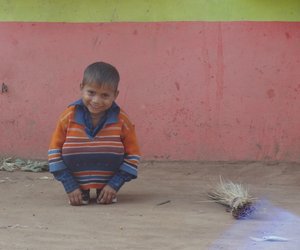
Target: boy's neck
(96, 118)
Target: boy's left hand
(106, 195)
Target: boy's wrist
(68, 181)
(69, 188)
(116, 182)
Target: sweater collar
(83, 117)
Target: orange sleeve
(57, 140)
(131, 147)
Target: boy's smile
(98, 98)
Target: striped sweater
(93, 156)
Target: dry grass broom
(235, 197)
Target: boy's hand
(107, 195)
(75, 197)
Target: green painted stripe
(148, 10)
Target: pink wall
(196, 90)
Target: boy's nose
(96, 100)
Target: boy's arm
(118, 180)
(66, 178)
(56, 165)
(128, 169)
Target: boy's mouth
(97, 109)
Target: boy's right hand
(75, 197)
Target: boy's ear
(116, 94)
(81, 86)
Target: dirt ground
(165, 208)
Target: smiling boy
(94, 145)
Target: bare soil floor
(165, 208)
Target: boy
(94, 144)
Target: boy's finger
(79, 200)
(100, 196)
(108, 199)
(104, 198)
(76, 200)
(73, 202)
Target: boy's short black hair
(101, 73)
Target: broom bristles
(235, 196)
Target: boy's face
(98, 98)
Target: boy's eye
(90, 92)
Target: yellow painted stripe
(148, 10)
